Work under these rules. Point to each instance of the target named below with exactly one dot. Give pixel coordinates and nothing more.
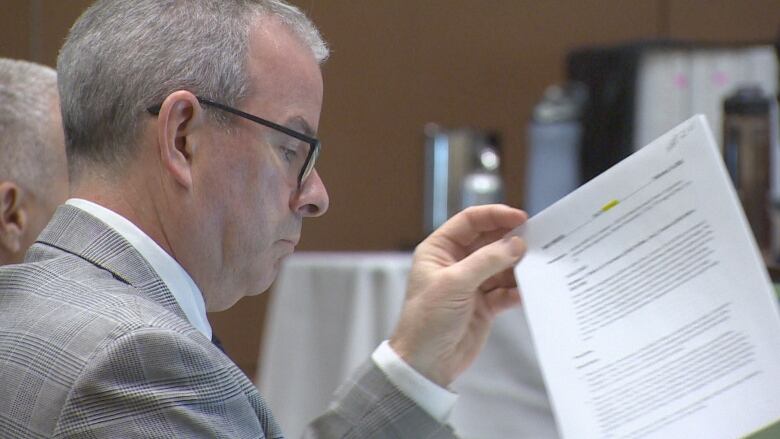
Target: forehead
(285, 77)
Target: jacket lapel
(76, 231)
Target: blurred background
(398, 65)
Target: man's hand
(461, 277)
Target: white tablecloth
(330, 311)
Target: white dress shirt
(180, 284)
(432, 398)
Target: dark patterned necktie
(218, 343)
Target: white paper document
(650, 306)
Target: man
(183, 203)
(33, 173)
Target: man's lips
(292, 241)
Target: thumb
(489, 260)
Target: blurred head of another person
(33, 168)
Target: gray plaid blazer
(93, 344)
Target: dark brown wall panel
(724, 20)
(55, 20)
(397, 65)
(15, 29)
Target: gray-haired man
(33, 173)
(189, 126)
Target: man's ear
(13, 217)
(181, 115)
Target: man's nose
(311, 200)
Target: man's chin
(285, 252)
(268, 279)
(264, 284)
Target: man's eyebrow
(298, 123)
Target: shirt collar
(181, 285)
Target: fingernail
(516, 245)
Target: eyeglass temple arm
(155, 110)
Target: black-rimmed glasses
(314, 144)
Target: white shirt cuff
(431, 397)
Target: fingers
(504, 279)
(501, 299)
(488, 261)
(486, 238)
(470, 223)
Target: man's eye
(290, 154)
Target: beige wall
(398, 64)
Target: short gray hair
(123, 56)
(28, 94)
